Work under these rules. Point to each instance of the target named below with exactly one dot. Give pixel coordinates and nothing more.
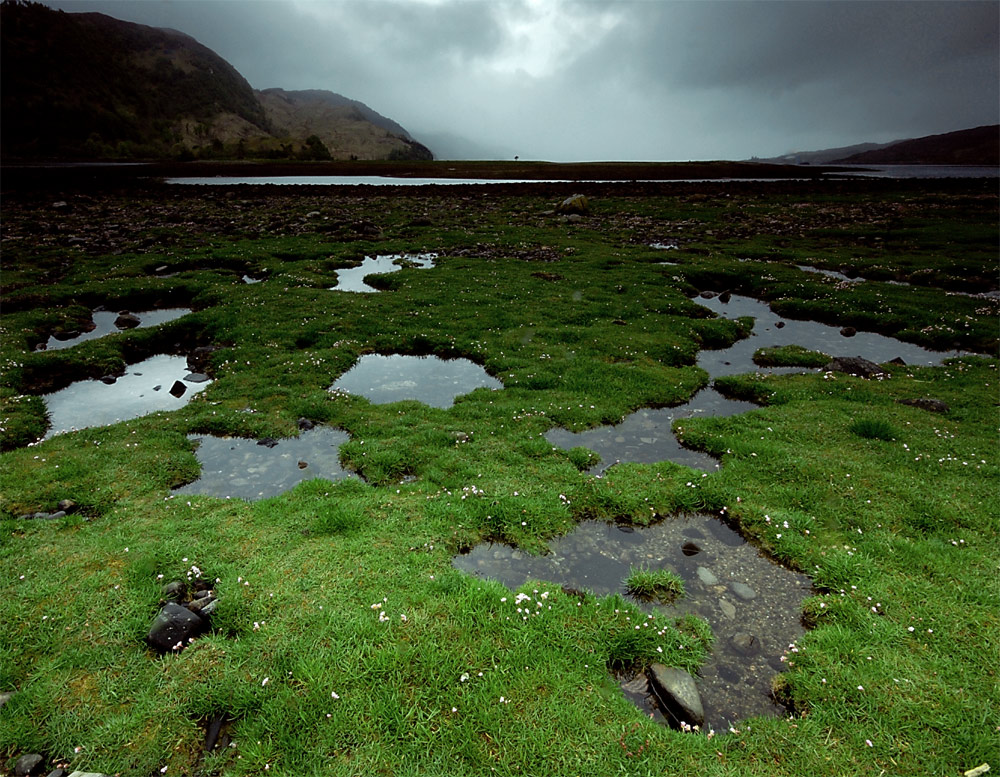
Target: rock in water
(178, 389)
(173, 627)
(127, 320)
(678, 693)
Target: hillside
(87, 86)
(978, 146)
(346, 127)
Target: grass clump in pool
(789, 356)
(659, 584)
(873, 429)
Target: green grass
(659, 584)
(347, 588)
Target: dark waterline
(104, 324)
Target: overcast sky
(618, 79)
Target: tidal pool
(752, 604)
(104, 324)
(237, 468)
(771, 330)
(646, 436)
(353, 278)
(428, 379)
(144, 388)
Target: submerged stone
(677, 692)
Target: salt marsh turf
(344, 642)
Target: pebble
(742, 590)
(728, 608)
(706, 576)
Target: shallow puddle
(353, 278)
(829, 273)
(144, 388)
(104, 324)
(646, 437)
(428, 379)
(237, 468)
(772, 330)
(752, 604)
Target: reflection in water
(353, 278)
(829, 273)
(646, 437)
(104, 324)
(752, 604)
(232, 467)
(428, 379)
(145, 388)
(766, 333)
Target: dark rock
(268, 442)
(779, 325)
(677, 693)
(29, 764)
(302, 464)
(173, 627)
(178, 389)
(109, 379)
(67, 505)
(854, 365)
(305, 424)
(576, 204)
(708, 294)
(848, 331)
(925, 403)
(202, 594)
(157, 387)
(200, 358)
(196, 377)
(174, 591)
(898, 360)
(127, 320)
(690, 549)
(725, 296)
(201, 605)
(60, 772)
(745, 643)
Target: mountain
(88, 86)
(348, 128)
(822, 157)
(977, 146)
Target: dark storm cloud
(578, 79)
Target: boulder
(108, 379)
(848, 331)
(677, 693)
(173, 627)
(178, 389)
(925, 403)
(855, 365)
(305, 424)
(576, 203)
(196, 377)
(127, 320)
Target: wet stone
(196, 377)
(728, 608)
(30, 764)
(173, 627)
(127, 320)
(678, 694)
(743, 591)
(690, 549)
(178, 389)
(746, 643)
(706, 576)
(109, 380)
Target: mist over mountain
(89, 86)
(976, 146)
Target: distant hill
(88, 86)
(822, 157)
(978, 146)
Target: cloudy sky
(618, 79)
